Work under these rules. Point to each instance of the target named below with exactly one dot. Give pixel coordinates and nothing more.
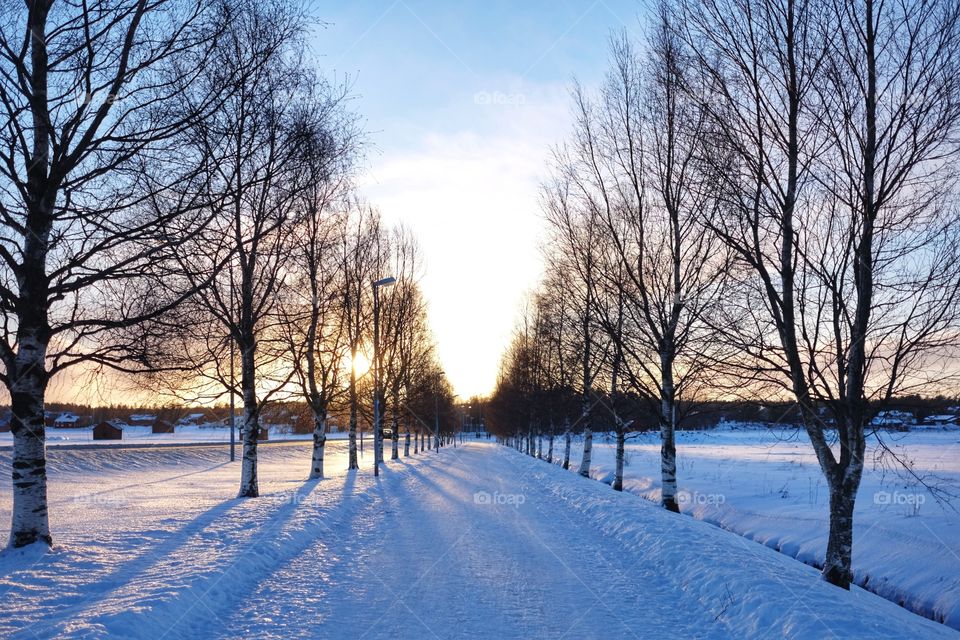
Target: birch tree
(359, 261)
(254, 144)
(92, 96)
(638, 163)
(403, 329)
(835, 126)
(572, 257)
(314, 326)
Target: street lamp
(385, 282)
(233, 412)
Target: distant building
(944, 420)
(108, 431)
(142, 420)
(893, 420)
(66, 421)
(162, 426)
(191, 420)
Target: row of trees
(759, 201)
(176, 198)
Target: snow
(143, 435)
(477, 541)
(767, 486)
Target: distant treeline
(502, 419)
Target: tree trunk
(668, 445)
(587, 458)
(319, 443)
(395, 421)
(566, 447)
(550, 447)
(30, 520)
(618, 474)
(844, 483)
(353, 462)
(406, 445)
(28, 378)
(668, 466)
(249, 486)
(837, 567)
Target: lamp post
(233, 412)
(385, 282)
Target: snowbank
(766, 485)
(757, 592)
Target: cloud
(471, 197)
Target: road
(477, 541)
(426, 560)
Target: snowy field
(767, 486)
(144, 436)
(474, 542)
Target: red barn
(107, 431)
(161, 426)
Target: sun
(361, 364)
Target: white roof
(67, 417)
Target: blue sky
(462, 101)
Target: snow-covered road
(477, 541)
(436, 559)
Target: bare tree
(359, 260)
(834, 126)
(313, 326)
(405, 340)
(254, 145)
(93, 95)
(636, 162)
(573, 259)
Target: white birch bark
(319, 444)
(668, 447)
(249, 486)
(618, 473)
(30, 522)
(586, 460)
(395, 422)
(353, 461)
